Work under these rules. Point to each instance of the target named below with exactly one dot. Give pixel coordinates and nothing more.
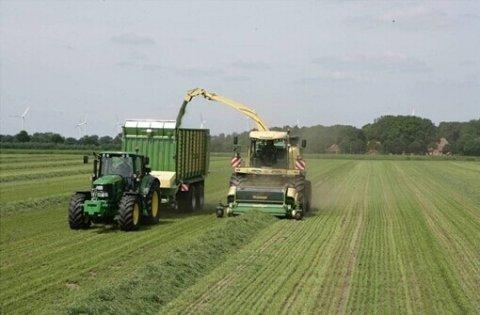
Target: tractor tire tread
(125, 212)
(76, 216)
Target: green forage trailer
(159, 166)
(178, 159)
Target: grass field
(386, 236)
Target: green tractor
(123, 192)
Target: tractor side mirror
(235, 140)
(85, 159)
(147, 160)
(304, 143)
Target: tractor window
(138, 165)
(116, 165)
(270, 153)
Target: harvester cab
(122, 191)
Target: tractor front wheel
(129, 213)
(76, 217)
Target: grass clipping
(154, 285)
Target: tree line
(50, 140)
(386, 135)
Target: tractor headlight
(102, 194)
(99, 187)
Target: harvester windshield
(269, 153)
(116, 165)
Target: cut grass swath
(157, 283)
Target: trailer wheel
(153, 203)
(129, 213)
(76, 217)
(188, 199)
(200, 195)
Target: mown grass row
(45, 265)
(391, 157)
(388, 237)
(26, 190)
(10, 159)
(253, 280)
(157, 283)
(24, 175)
(33, 165)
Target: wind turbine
(202, 122)
(23, 116)
(83, 123)
(118, 125)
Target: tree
(401, 134)
(56, 138)
(71, 141)
(105, 140)
(22, 136)
(118, 139)
(7, 138)
(472, 147)
(89, 140)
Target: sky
(302, 63)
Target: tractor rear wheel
(200, 195)
(153, 203)
(129, 213)
(188, 199)
(76, 217)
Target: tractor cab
(124, 165)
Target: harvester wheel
(298, 215)
(188, 199)
(76, 217)
(200, 189)
(308, 195)
(301, 185)
(129, 213)
(220, 212)
(153, 203)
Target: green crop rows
(386, 236)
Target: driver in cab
(123, 167)
(269, 154)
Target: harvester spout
(260, 124)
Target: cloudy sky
(306, 62)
